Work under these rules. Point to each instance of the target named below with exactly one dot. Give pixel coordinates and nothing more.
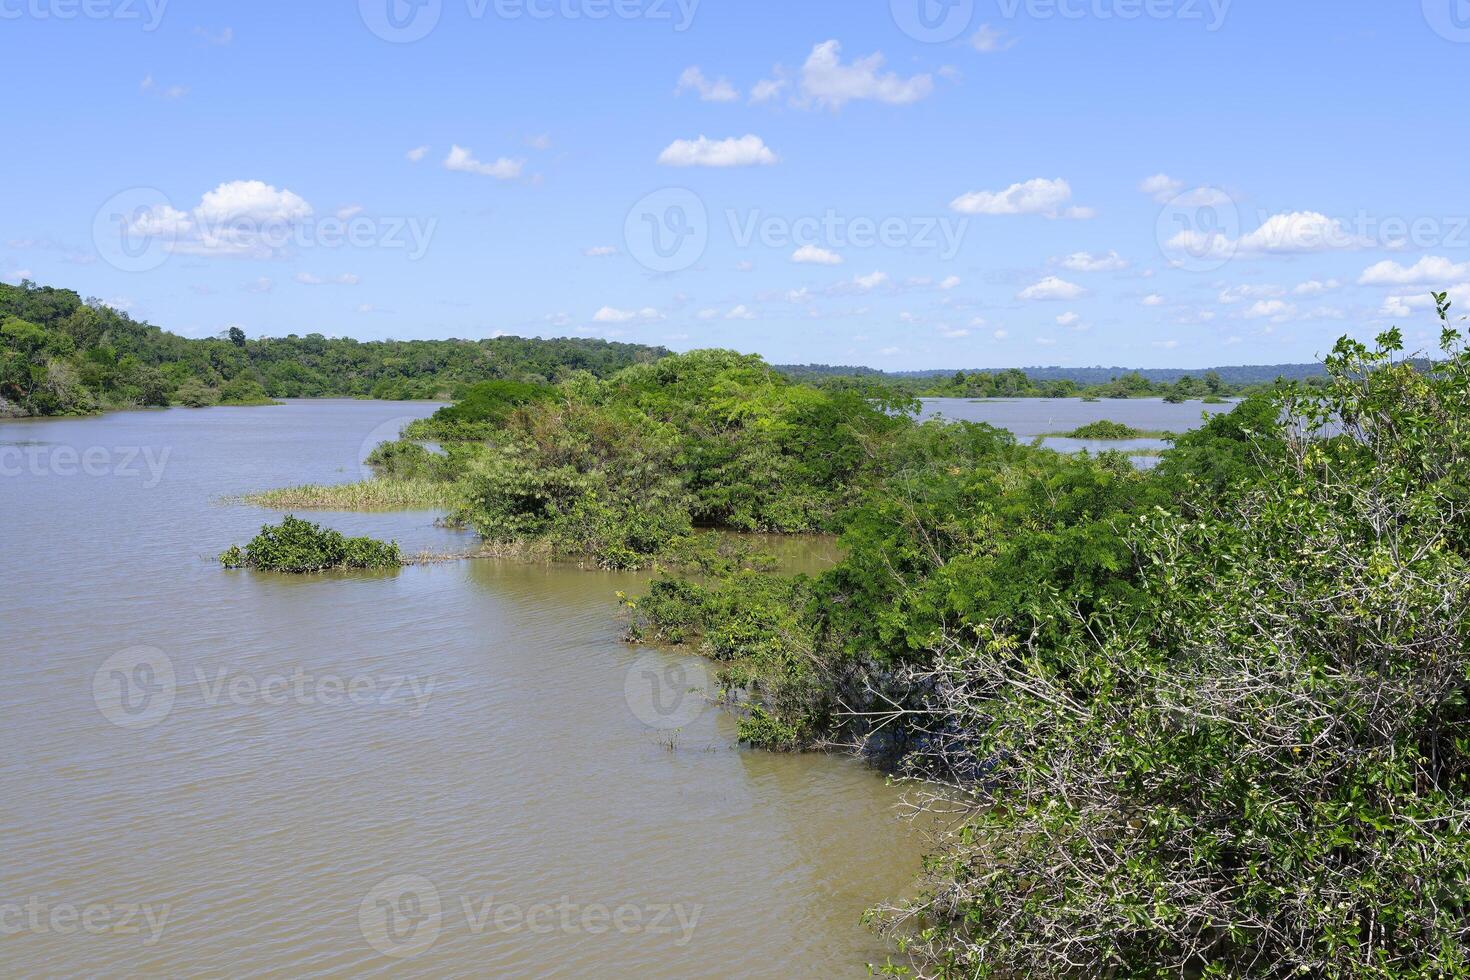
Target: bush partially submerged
(295, 545)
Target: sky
(903, 184)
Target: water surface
(1029, 418)
(451, 769)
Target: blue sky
(996, 183)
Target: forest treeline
(60, 355)
(1212, 719)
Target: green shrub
(301, 546)
(243, 391)
(1105, 429)
(195, 394)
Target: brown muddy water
(450, 770)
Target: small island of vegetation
(1106, 429)
(300, 547)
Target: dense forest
(1212, 719)
(60, 355)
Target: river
(453, 769)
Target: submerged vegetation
(1212, 720)
(364, 495)
(300, 546)
(1106, 429)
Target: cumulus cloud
(826, 81)
(345, 279)
(599, 251)
(1409, 304)
(694, 80)
(1048, 198)
(1276, 309)
(1153, 299)
(610, 314)
(463, 160)
(949, 282)
(744, 151)
(1300, 232)
(1431, 270)
(1069, 319)
(417, 154)
(246, 218)
(813, 255)
(1051, 288)
(1245, 291)
(1161, 187)
(1087, 262)
(990, 40)
(1316, 287)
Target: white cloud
(1316, 287)
(1241, 293)
(219, 39)
(541, 141)
(1300, 232)
(871, 281)
(953, 333)
(1037, 196)
(826, 81)
(949, 282)
(1153, 299)
(1046, 341)
(1161, 187)
(237, 218)
(417, 154)
(1407, 305)
(149, 87)
(740, 313)
(744, 265)
(1051, 288)
(813, 255)
(599, 251)
(251, 200)
(1001, 334)
(463, 160)
(989, 40)
(348, 211)
(1432, 270)
(769, 89)
(609, 314)
(746, 151)
(345, 279)
(1166, 344)
(261, 285)
(693, 80)
(1069, 319)
(1087, 262)
(1274, 308)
